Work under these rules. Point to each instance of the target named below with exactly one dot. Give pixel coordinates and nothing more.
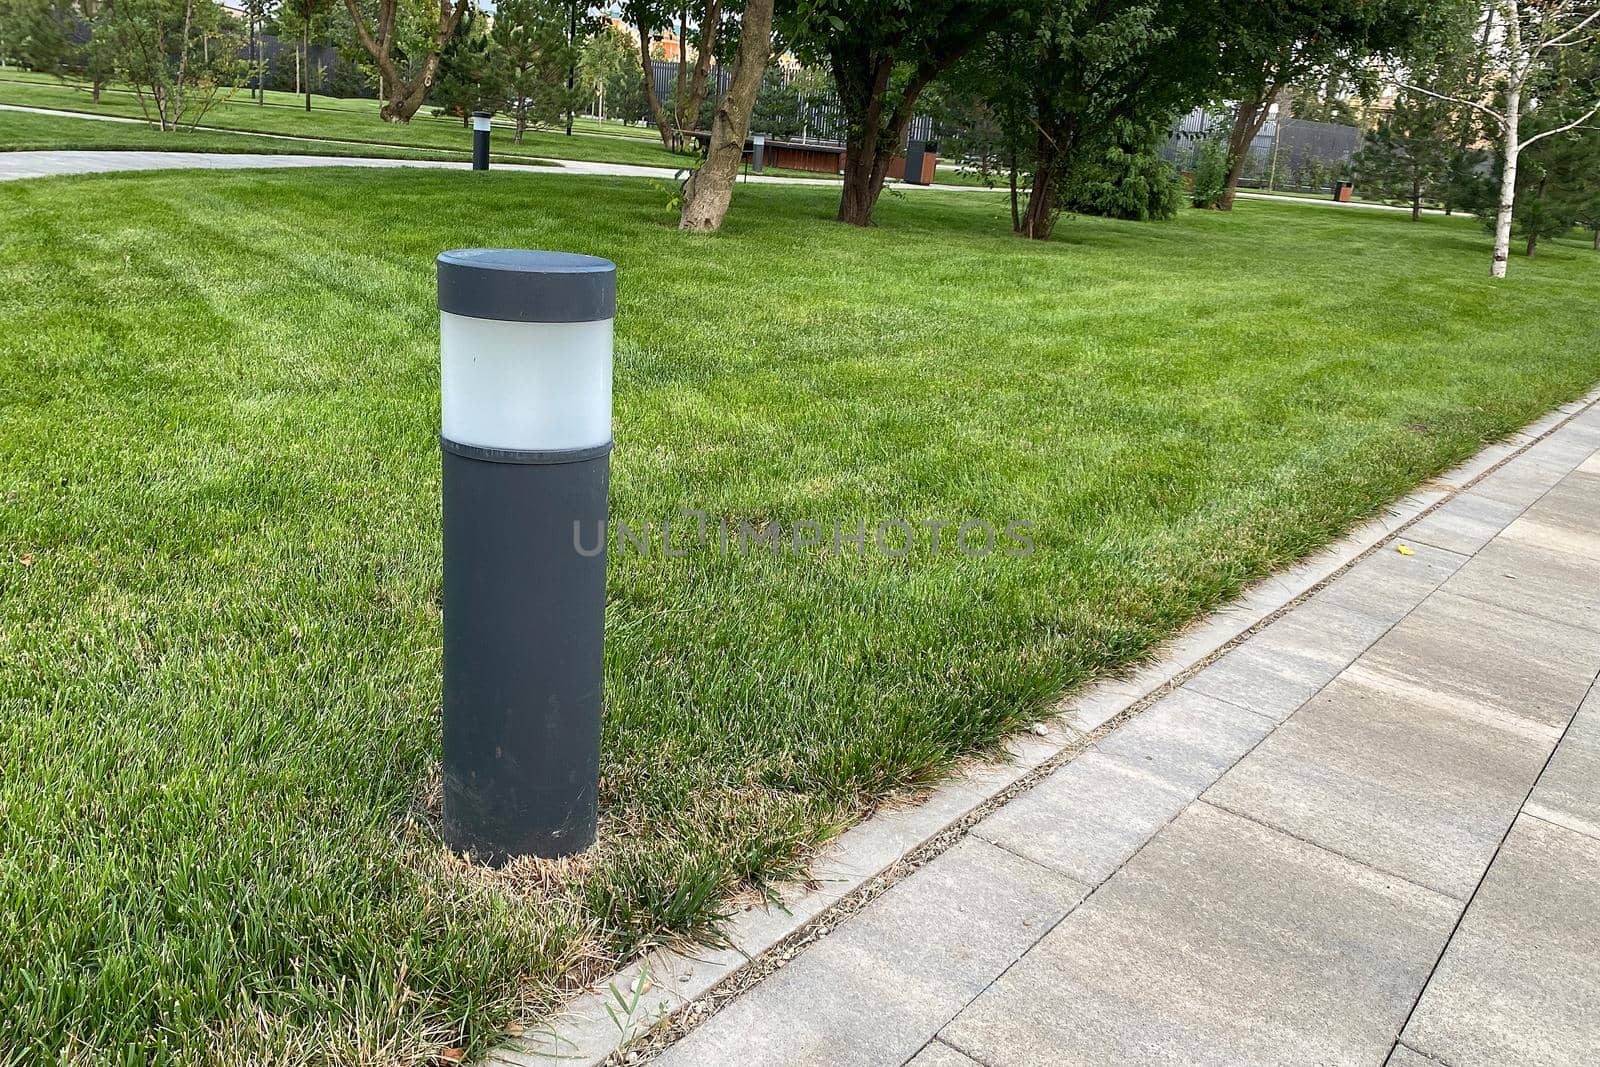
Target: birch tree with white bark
(1524, 39)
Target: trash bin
(1342, 191)
(922, 157)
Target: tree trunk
(1040, 217)
(404, 98)
(1246, 124)
(1597, 240)
(572, 63)
(678, 84)
(857, 199)
(1016, 217)
(657, 112)
(1508, 186)
(710, 189)
(306, 44)
(689, 106)
(522, 118)
(870, 141)
(183, 64)
(1416, 199)
(1533, 234)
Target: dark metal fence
(1291, 154)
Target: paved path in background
(14, 165)
(1328, 201)
(1369, 834)
(18, 165)
(571, 166)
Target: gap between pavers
(679, 985)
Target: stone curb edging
(596, 1025)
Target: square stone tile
(1566, 519)
(1286, 663)
(1187, 738)
(1567, 448)
(874, 991)
(1520, 981)
(1464, 524)
(938, 1054)
(1087, 818)
(1568, 792)
(1422, 791)
(1521, 480)
(1223, 942)
(1452, 650)
(1389, 583)
(1406, 1057)
(1555, 585)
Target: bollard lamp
(480, 140)
(525, 348)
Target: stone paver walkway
(1369, 834)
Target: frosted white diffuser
(531, 386)
(525, 348)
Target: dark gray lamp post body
(525, 350)
(480, 140)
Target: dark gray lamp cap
(516, 285)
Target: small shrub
(1209, 173)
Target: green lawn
(21, 131)
(219, 550)
(352, 121)
(334, 127)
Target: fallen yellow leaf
(1403, 550)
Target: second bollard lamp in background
(480, 140)
(525, 341)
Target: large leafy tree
(1528, 50)
(709, 190)
(609, 68)
(1557, 176)
(530, 37)
(34, 33)
(883, 54)
(648, 17)
(1272, 47)
(1106, 74)
(176, 54)
(470, 75)
(1408, 155)
(301, 19)
(379, 26)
